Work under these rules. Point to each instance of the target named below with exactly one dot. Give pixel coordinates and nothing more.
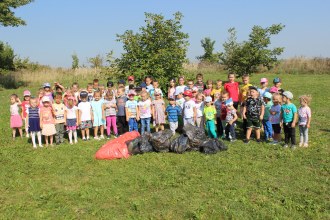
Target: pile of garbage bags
(131, 143)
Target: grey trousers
(59, 132)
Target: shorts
(253, 123)
(86, 124)
(276, 128)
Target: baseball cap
(46, 85)
(83, 94)
(253, 87)
(263, 80)
(273, 90)
(143, 85)
(177, 92)
(26, 93)
(288, 94)
(130, 78)
(121, 81)
(138, 88)
(109, 84)
(277, 80)
(171, 99)
(208, 99)
(194, 89)
(131, 93)
(229, 102)
(267, 95)
(45, 99)
(188, 93)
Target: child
(171, 89)
(274, 118)
(145, 110)
(111, 88)
(219, 105)
(95, 85)
(244, 89)
(199, 110)
(277, 84)
(268, 130)
(121, 113)
(200, 84)
(209, 88)
(253, 112)
(15, 118)
(131, 82)
(90, 92)
(173, 112)
(102, 91)
(231, 117)
(190, 85)
(25, 106)
(264, 87)
(33, 121)
(47, 123)
(232, 88)
(210, 113)
(158, 110)
(179, 102)
(41, 93)
(155, 87)
(71, 113)
(189, 109)
(48, 92)
(58, 111)
(132, 113)
(75, 90)
(148, 81)
(217, 90)
(181, 87)
(98, 121)
(289, 116)
(109, 111)
(85, 115)
(304, 122)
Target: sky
(57, 29)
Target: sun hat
(45, 99)
(277, 80)
(171, 99)
(229, 102)
(188, 93)
(263, 80)
(26, 93)
(267, 95)
(177, 92)
(208, 99)
(45, 85)
(288, 94)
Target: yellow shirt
(243, 92)
(214, 91)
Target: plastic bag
(145, 145)
(195, 135)
(180, 144)
(140, 145)
(212, 146)
(112, 151)
(160, 141)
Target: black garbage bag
(144, 144)
(180, 144)
(195, 135)
(212, 146)
(134, 146)
(160, 141)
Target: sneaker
(293, 147)
(41, 146)
(101, 137)
(258, 140)
(34, 146)
(88, 139)
(71, 143)
(84, 139)
(27, 135)
(301, 144)
(305, 145)
(96, 138)
(116, 135)
(246, 141)
(108, 137)
(274, 143)
(233, 140)
(285, 146)
(270, 139)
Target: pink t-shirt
(232, 89)
(304, 113)
(47, 115)
(25, 107)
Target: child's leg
(130, 124)
(258, 133)
(248, 133)
(57, 135)
(87, 133)
(33, 138)
(305, 135)
(148, 124)
(293, 135)
(223, 123)
(96, 129)
(39, 138)
(207, 127)
(301, 134)
(20, 130)
(143, 125)
(102, 130)
(70, 136)
(75, 136)
(232, 132)
(114, 124)
(108, 119)
(51, 139)
(14, 132)
(286, 133)
(26, 127)
(46, 140)
(219, 127)
(135, 124)
(83, 134)
(61, 133)
(212, 129)
(162, 127)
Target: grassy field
(255, 181)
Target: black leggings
(289, 133)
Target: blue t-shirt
(217, 105)
(288, 111)
(121, 102)
(173, 113)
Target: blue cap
(143, 85)
(229, 102)
(277, 80)
(121, 81)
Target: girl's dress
(171, 92)
(15, 118)
(71, 118)
(34, 119)
(159, 111)
(97, 113)
(48, 122)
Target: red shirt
(232, 89)
(223, 113)
(25, 106)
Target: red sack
(116, 148)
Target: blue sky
(57, 29)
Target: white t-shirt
(85, 108)
(188, 109)
(145, 108)
(199, 109)
(180, 89)
(71, 112)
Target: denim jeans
(303, 130)
(145, 123)
(230, 131)
(268, 129)
(132, 124)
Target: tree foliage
(245, 57)
(7, 16)
(75, 61)
(96, 62)
(6, 57)
(208, 56)
(158, 49)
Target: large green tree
(158, 49)
(247, 56)
(208, 56)
(6, 57)
(7, 16)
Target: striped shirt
(173, 113)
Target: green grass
(255, 181)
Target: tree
(158, 49)
(208, 55)
(7, 16)
(245, 57)
(96, 62)
(6, 57)
(75, 61)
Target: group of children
(121, 108)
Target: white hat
(45, 99)
(208, 99)
(288, 94)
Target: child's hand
(215, 122)
(103, 118)
(293, 125)
(261, 117)
(137, 118)
(230, 122)
(127, 119)
(41, 126)
(308, 126)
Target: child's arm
(137, 113)
(295, 119)
(126, 113)
(19, 103)
(77, 116)
(103, 111)
(195, 114)
(309, 120)
(234, 119)
(41, 125)
(65, 115)
(262, 112)
(244, 111)
(92, 114)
